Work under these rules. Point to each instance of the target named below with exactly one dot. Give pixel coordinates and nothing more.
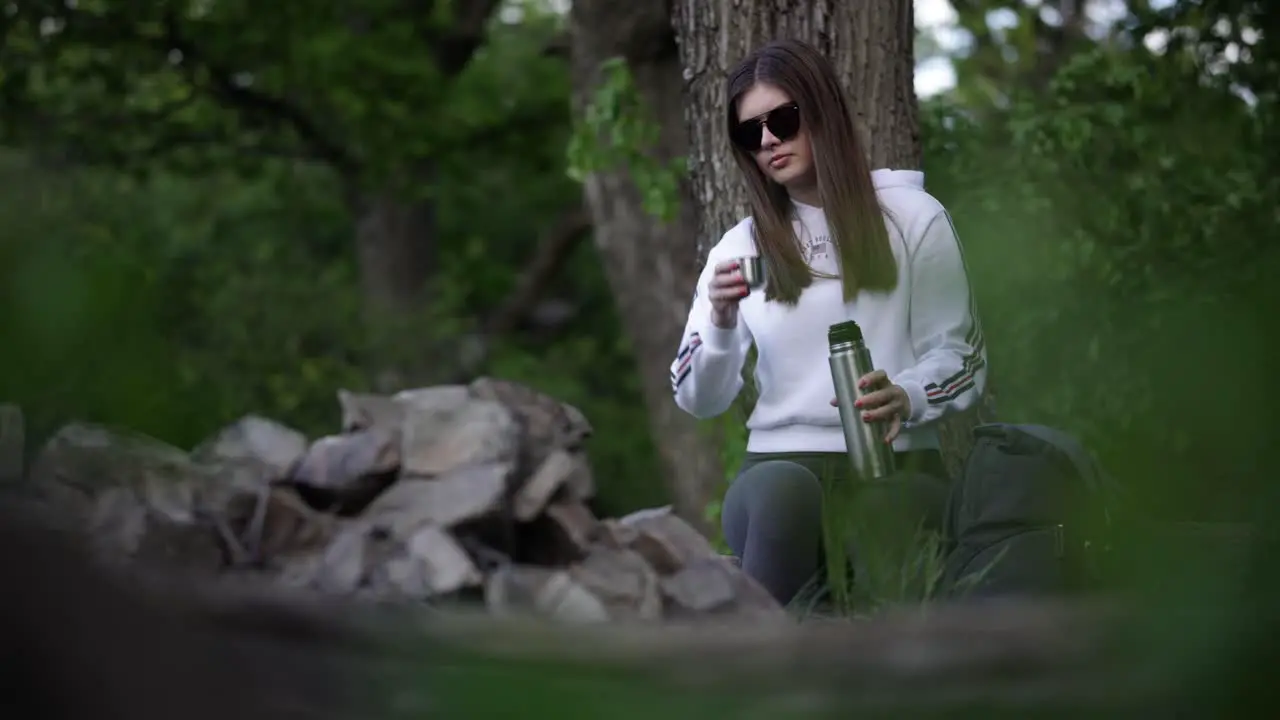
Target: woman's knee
(776, 488)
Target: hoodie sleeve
(951, 370)
(706, 374)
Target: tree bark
(872, 47)
(396, 250)
(651, 265)
(397, 243)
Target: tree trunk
(651, 264)
(872, 47)
(396, 252)
(396, 232)
(396, 257)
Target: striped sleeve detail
(956, 385)
(962, 381)
(684, 361)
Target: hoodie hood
(884, 179)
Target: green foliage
(616, 131)
(1117, 223)
(139, 301)
(877, 551)
(374, 89)
(1120, 239)
(204, 271)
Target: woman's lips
(779, 162)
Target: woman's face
(770, 128)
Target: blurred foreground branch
(1017, 657)
(80, 643)
(173, 651)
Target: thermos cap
(844, 332)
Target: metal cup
(752, 269)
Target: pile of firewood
(467, 493)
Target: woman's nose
(767, 140)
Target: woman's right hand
(726, 288)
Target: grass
(886, 576)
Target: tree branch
(1014, 659)
(455, 49)
(258, 107)
(452, 47)
(560, 46)
(553, 250)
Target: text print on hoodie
(925, 334)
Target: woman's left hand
(887, 402)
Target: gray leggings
(772, 513)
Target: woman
(838, 242)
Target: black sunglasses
(783, 122)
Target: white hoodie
(924, 334)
